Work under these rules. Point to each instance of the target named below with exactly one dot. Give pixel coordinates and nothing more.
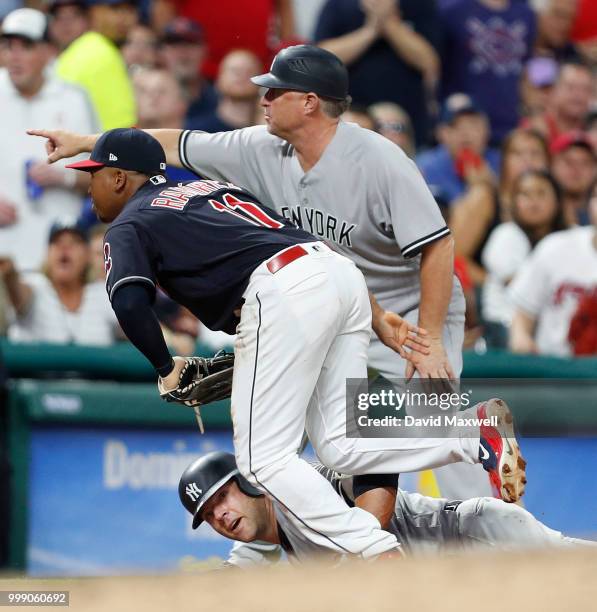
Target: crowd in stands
(494, 100)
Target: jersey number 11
(247, 211)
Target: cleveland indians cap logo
(193, 491)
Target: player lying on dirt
(212, 490)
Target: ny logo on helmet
(193, 491)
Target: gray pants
(429, 525)
(426, 525)
(457, 480)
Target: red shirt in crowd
(231, 24)
(585, 24)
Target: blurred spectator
(161, 100)
(238, 97)
(554, 26)
(359, 115)
(554, 289)
(182, 52)
(306, 13)
(162, 103)
(486, 44)
(584, 31)
(568, 105)
(389, 48)
(256, 25)
(537, 210)
(93, 61)
(538, 79)
(393, 122)
(140, 50)
(33, 193)
(487, 203)
(585, 24)
(68, 21)
(574, 166)
(60, 306)
(463, 134)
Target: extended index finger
(39, 132)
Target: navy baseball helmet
(205, 476)
(307, 68)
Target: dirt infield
(554, 581)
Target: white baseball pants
(303, 331)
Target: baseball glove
(201, 381)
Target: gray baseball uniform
(364, 194)
(368, 198)
(424, 525)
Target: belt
(285, 257)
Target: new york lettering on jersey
(320, 223)
(199, 241)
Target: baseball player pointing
(301, 313)
(350, 187)
(343, 184)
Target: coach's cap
(182, 30)
(74, 227)
(307, 68)
(456, 105)
(127, 149)
(565, 141)
(25, 23)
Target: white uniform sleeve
(254, 553)
(414, 213)
(242, 157)
(530, 288)
(506, 249)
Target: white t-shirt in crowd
(561, 269)
(58, 105)
(506, 250)
(47, 320)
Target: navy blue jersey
(198, 240)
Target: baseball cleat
(499, 451)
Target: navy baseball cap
(183, 30)
(459, 104)
(127, 149)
